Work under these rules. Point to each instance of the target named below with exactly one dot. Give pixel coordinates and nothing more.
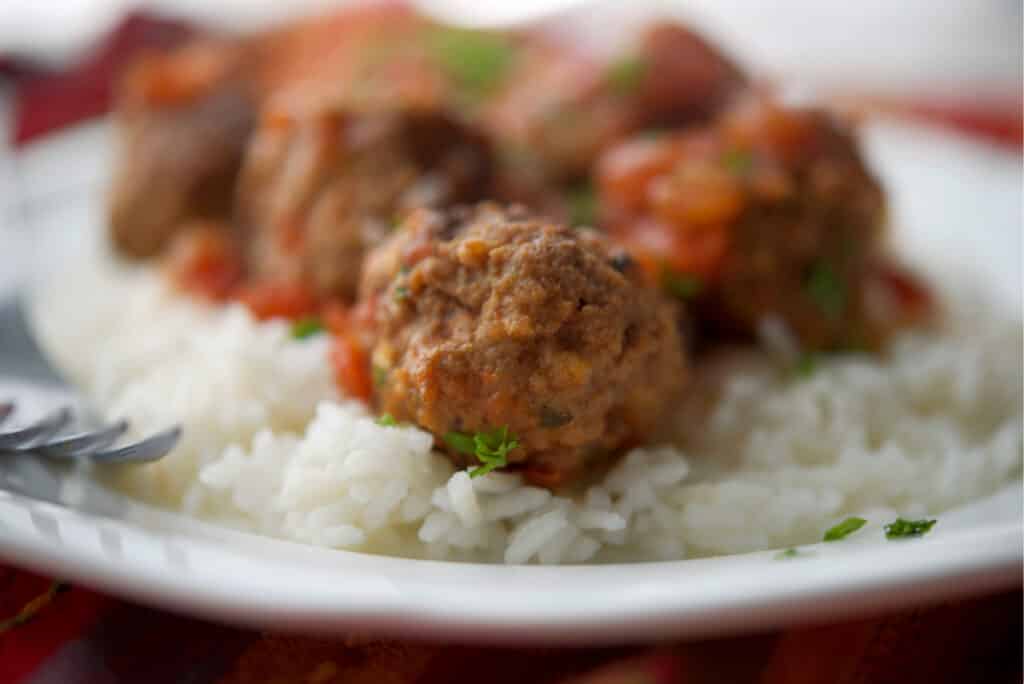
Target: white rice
(270, 447)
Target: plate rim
(964, 563)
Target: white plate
(957, 205)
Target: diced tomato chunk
(698, 253)
(171, 81)
(543, 475)
(205, 261)
(336, 317)
(627, 170)
(911, 296)
(289, 300)
(351, 367)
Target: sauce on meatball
(487, 318)
(768, 212)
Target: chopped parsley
(806, 365)
(582, 205)
(626, 74)
(387, 420)
(461, 442)
(787, 554)
(477, 60)
(31, 609)
(737, 161)
(401, 293)
(379, 375)
(844, 529)
(827, 289)
(901, 529)
(306, 327)
(490, 447)
(681, 285)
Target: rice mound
(269, 446)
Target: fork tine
(6, 409)
(37, 431)
(81, 444)
(149, 449)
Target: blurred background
(956, 63)
(959, 59)
(955, 51)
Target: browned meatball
(182, 123)
(559, 109)
(321, 186)
(769, 212)
(486, 318)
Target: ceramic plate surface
(956, 206)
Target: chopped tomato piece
(755, 125)
(205, 261)
(627, 170)
(172, 81)
(696, 252)
(543, 475)
(351, 367)
(912, 298)
(698, 194)
(279, 300)
(336, 317)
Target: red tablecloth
(52, 633)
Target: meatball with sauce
(322, 186)
(183, 120)
(486, 319)
(558, 108)
(768, 214)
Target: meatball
(487, 319)
(560, 108)
(767, 212)
(321, 186)
(182, 123)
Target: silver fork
(21, 358)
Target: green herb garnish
(387, 420)
(737, 161)
(490, 447)
(31, 609)
(844, 529)
(401, 293)
(582, 205)
(681, 285)
(806, 365)
(788, 553)
(827, 289)
(900, 528)
(461, 442)
(379, 375)
(477, 60)
(626, 74)
(306, 327)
